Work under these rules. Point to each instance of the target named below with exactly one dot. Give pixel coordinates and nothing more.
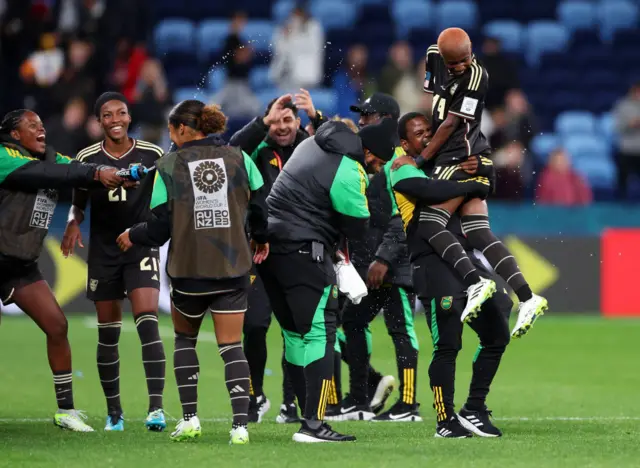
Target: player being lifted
(459, 85)
(114, 275)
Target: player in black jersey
(114, 275)
(459, 85)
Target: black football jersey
(114, 211)
(462, 96)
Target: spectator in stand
(560, 184)
(521, 123)
(508, 162)
(151, 99)
(502, 70)
(67, 133)
(398, 77)
(352, 82)
(236, 97)
(298, 45)
(627, 117)
(129, 61)
(78, 76)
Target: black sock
(255, 350)
(442, 373)
(485, 367)
(153, 357)
(236, 375)
(187, 370)
(62, 383)
(109, 363)
(477, 230)
(288, 392)
(433, 225)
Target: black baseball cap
(378, 103)
(380, 138)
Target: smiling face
(30, 133)
(284, 130)
(114, 120)
(418, 136)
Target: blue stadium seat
(457, 13)
(215, 78)
(509, 33)
(281, 10)
(601, 173)
(577, 14)
(211, 36)
(583, 147)
(173, 35)
(325, 99)
(334, 13)
(542, 145)
(259, 78)
(184, 75)
(371, 2)
(259, 33)
(412, 14)
(607, 127)
(545, 36)
(183, 94)
(575, 123)
(615, 15)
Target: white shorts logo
(43, 209)
(211, 206)
(93, 284)
(469, 106)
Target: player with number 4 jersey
(114, 275)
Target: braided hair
(10, 122)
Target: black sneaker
(349, 410)
(288, 414)
(258, 406)
(323, 433)
(478, 422)
(400, 412)
(380, 391)
(452, 429)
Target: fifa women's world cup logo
(209, 177)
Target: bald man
(459, 85)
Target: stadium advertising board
(566, 270)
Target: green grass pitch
(566, 395)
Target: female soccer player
(30, 173)
(202, 194)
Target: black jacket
(320, 194)
(270, 158)
(385, 240)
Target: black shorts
(15, 274)
(110, 282)
(454, 173)
(194, 307)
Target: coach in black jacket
(270, 141)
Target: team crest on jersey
(253, 278)
(446, 302)
(93, 285)
(274, 162)
(334, 291)
(209, 182)
(453, 88)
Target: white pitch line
(165, 332)
(508, 418)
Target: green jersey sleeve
(61, 159)
(406, 172)
(255, 178)
(349, 189)
(10, 160)
(159, 195)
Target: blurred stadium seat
(174, 35)
(577, 14)
(335, 13)
(542, 145)
(509, 32)
(545, 36)
(575, 123)
(457, 13)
